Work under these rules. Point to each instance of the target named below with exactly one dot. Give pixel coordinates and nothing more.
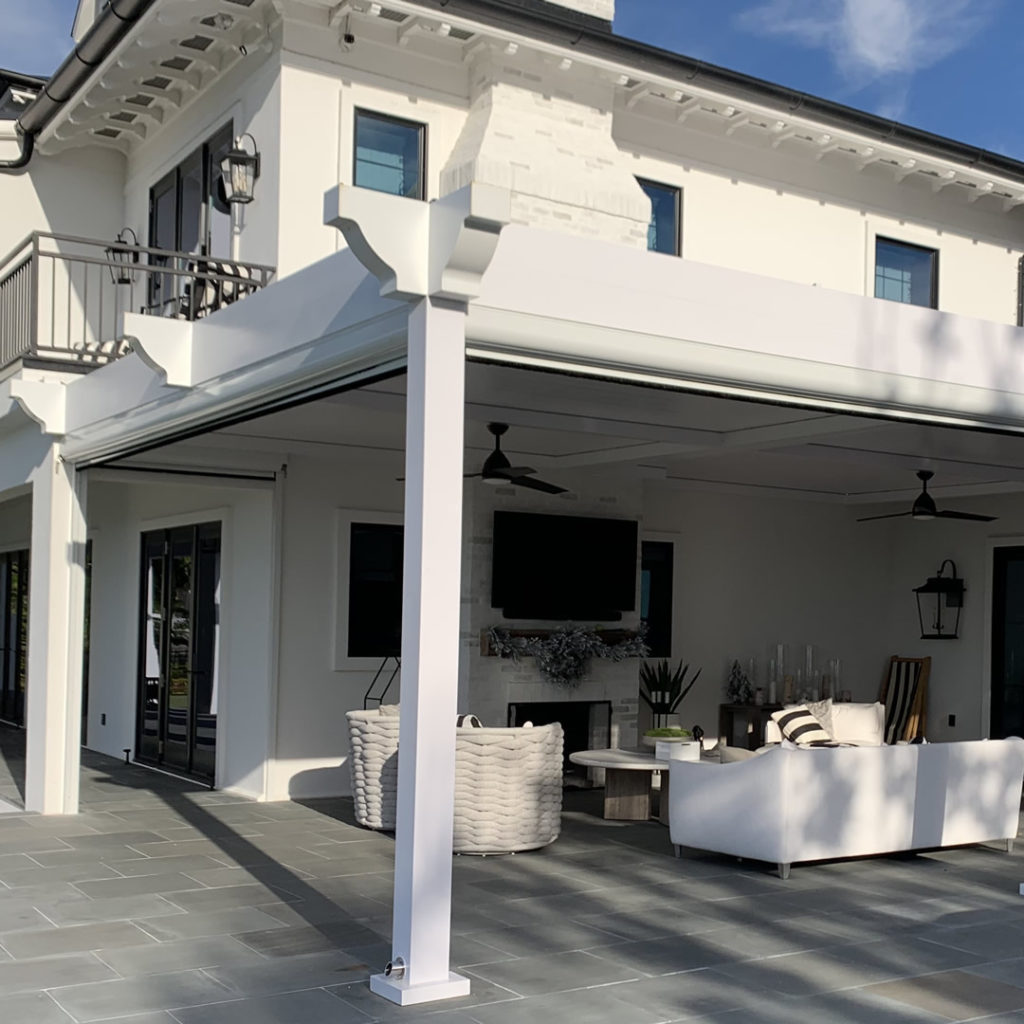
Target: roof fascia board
(778, 100)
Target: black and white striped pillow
(799, 726)
(468, 722)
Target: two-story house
(277, 266)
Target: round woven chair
(508, 782)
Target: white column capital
(416, 249)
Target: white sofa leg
(1009, 845)
(679, 850)
(784, 871)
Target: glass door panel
(179, 674)
(178, 649)
(13, 635)
(1008, 644)
(152, 651)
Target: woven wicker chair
(508, 783)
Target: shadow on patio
(168, 900)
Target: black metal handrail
(63, 297)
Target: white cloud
(874, 38)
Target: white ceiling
(584, 425)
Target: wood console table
(754, 715)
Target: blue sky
(949, 66)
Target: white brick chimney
(598, 8)
(546, 136)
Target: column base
(401, 992)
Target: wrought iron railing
(63, 298)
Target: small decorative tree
(738, 689)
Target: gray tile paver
(33, 1008)
(137, 995)
(605, 925)
(73, 939)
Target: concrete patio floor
(164, 902)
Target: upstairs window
(389, 155)
(906, 273)
(663, 231)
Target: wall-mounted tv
(563, 567)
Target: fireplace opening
(586, 724)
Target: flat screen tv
(563, 567)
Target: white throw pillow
(801, 727)
(822, 711)
(862, 724)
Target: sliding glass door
(179, 634)
(13, 635)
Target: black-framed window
(390, 155)
(656, 558)
(188, 211)
(906, 273)
(375, 590)
(664, 231)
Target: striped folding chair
(905, 696)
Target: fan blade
(891, 515)
(513, 471)
(971, 516)
(536, 485)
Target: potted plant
(663, 689)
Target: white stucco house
(736, 317)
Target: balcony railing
(62, 298)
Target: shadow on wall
(320, 782)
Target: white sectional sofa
(790, 804)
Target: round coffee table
(627, 780)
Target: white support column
(55, 636)
(430, 660)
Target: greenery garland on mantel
(563, 654)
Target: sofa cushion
(800, 726)
(862, 724)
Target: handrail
(63, 297)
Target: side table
(754, 715)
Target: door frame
(1014, 540)
(222, 515)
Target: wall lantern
(936, 600)
(122, 256)
(239, 170)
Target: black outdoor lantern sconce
(941, 594)
(239, 171)
(123, 256)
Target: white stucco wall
(80, 192)
(960, 679)
(118, 515)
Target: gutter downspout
(28, 145)
(114, 22)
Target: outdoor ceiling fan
(498, 470)
(924, 506)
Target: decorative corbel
(441, 248)
(43, 401)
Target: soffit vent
(240, 3)
(461, 34)
(176, 63)
(199, 43)
(157, 82)
(139, 100)
(107, 133)
(126, 116)
(386, 14)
